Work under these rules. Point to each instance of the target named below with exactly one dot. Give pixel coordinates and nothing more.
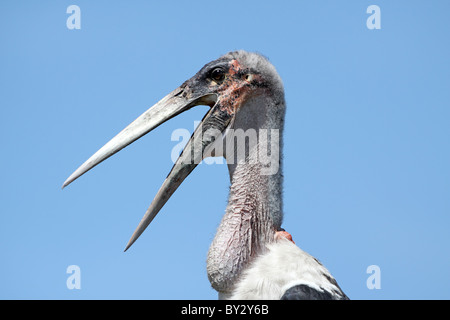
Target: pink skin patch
(283, 234)
(233, 90)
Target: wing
(287, 272)
(305, 292)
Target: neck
(254, 210)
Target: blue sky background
(367, 143)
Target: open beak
(181, 99)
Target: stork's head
(233, 79)
(226, 85)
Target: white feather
(283, 266)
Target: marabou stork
(251, 256)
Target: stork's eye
(217, 74)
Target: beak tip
(66, 183)
(70, 179)
(130, 243)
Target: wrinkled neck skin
(254, 210)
